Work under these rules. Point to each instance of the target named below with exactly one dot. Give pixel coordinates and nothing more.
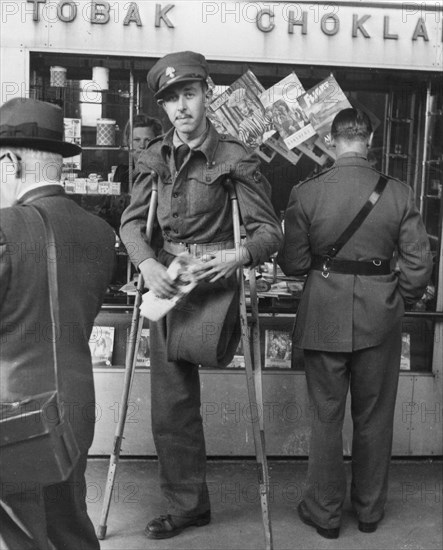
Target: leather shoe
(369, 527)
(331, 533)
(165, 527)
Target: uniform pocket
(206, 193)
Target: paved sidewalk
(413, 518)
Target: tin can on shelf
(106, 132)
(57, 76)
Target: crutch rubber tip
(101, 532)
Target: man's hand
(223, 263)
(157, 279)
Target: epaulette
(391, 177)
(307, 180)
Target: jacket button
(175, 195)
(175, 215)
(208, 179)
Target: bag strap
(359, 218)
(53, 290)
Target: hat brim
(177, 80)
(63, 148)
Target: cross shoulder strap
(53, 289)
(359, 218)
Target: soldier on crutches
(251, 345)
(191, 164)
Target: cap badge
(170, 72)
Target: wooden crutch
(131, 359)
(253, 372)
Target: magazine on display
(72, 134)
(278, 349)
(238, 361)
(315, 150)
(280, 102)
(320, 104)
(241, 113)
(101, 344)
(278, 145)
(143, 351)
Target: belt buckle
(325, 266)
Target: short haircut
(142, 120)
(351, 125)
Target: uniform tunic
(193, 204)
(350, 327)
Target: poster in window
(278, 349)
(101, 344)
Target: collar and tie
(181, 153)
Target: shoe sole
(175, 532)
(367, 528)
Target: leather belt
(326, 265)
(196, 249)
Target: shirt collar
(207, 146)
(351, 158)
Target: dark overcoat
(343, 313)
(84, 246)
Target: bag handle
(53, 292)
(359, 218)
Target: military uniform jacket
(194, 204)
(84, 247)
(348, 312)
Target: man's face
(185, 106)
(9, 183)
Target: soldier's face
(185, 106)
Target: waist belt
(326, 264)
(196, 249)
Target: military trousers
(371, 374)
(177, 429)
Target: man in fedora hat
(192, 164)
(31, 156)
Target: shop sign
(266, 17)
